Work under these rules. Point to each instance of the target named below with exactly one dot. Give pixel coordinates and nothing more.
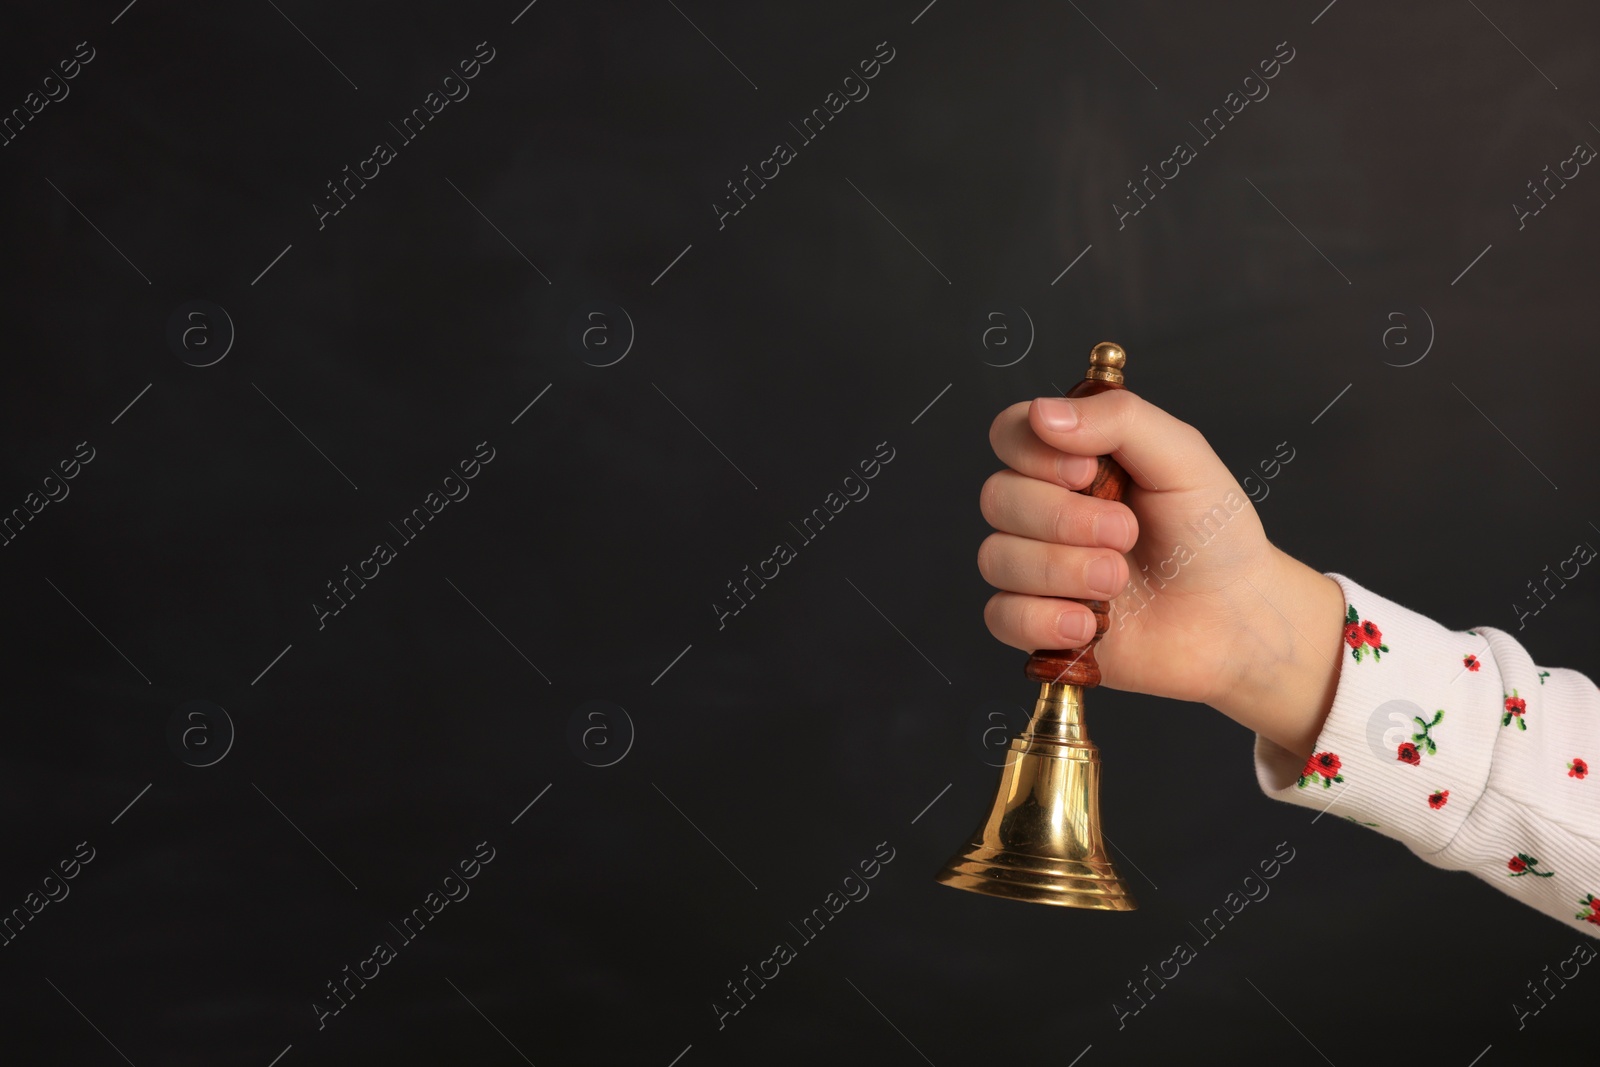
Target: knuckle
(1041, 628)
(1072, 521)
(1051, 571)
(1061, 522)
(1123, 409)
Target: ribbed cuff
(1402, 750)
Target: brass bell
(1041, 841)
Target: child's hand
(1214, 612)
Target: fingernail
(1076, 470)
(1075, 626)
(1112, 531)
(1101, 577)
(1057, 413)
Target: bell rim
(1075, 883)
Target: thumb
(1160, 452)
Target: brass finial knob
(1106, 362)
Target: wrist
(1291, 649)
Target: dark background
(796, 339)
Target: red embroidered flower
(1471, 661)
(1437, 800)
(1325, 764)
(1522, 864)
(1591, 902)
(1594, 917)
(1409, 754)
(1577, 769)
(1364, 638)
(1515, 706)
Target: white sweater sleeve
(1458, 745)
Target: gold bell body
(1041, 841)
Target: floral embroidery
(1471, 661)
(1522, 864)
(1438, 798)
(1591, 902)
(1408, 752)
(1577, 769)
(1325, 764)
(1425, 737)
(1515, 706)
(1542, 676)
(1362, 636)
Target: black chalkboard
(430, 377)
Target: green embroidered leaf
(1522, 724)
(1438, 718)
(1353, 615)
(1432, 748)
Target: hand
(1204, 607)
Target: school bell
(1041, 841)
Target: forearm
(1289, 655)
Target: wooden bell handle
(1076, 666)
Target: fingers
(1022, 565)
(1158, 450)
(1020, 449)
(1033, 622)
(1016, 504)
